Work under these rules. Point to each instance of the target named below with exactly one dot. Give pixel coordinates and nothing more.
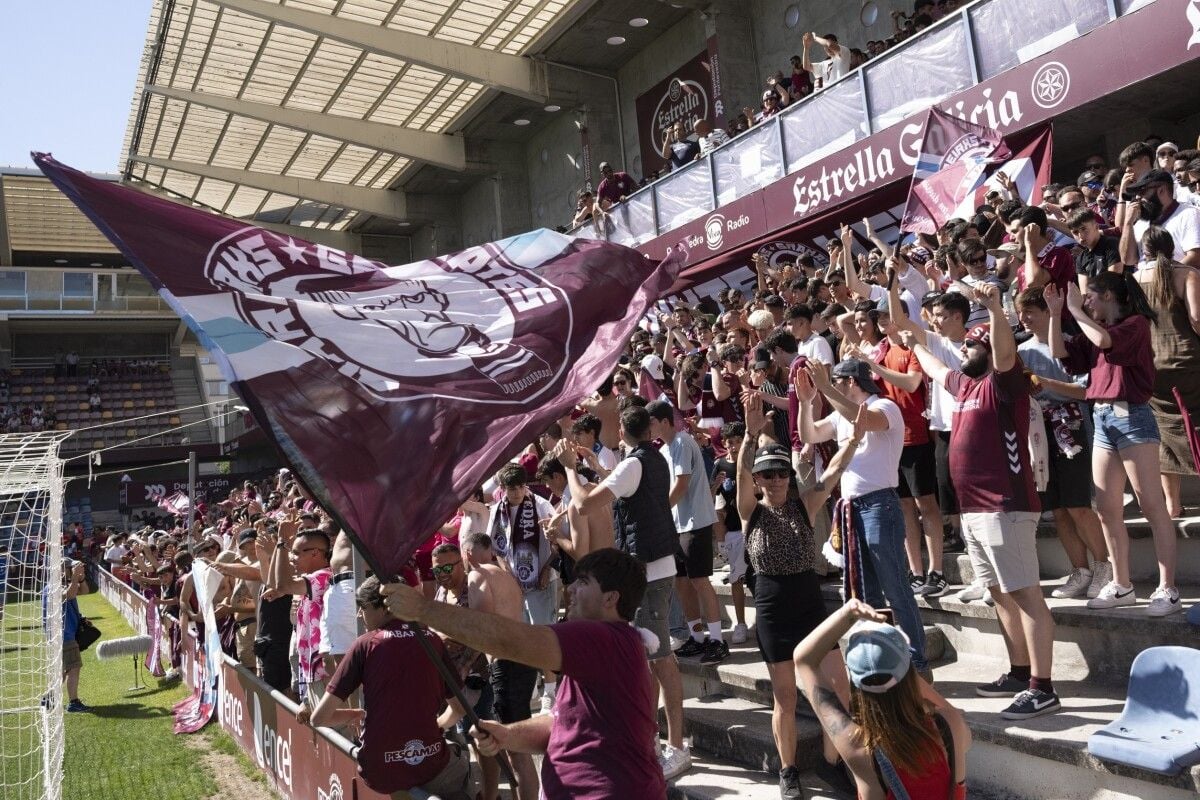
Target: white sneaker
(1077, 584)
(1164, 602)
(740, 634)
(976, 591)
(1102, 574)
(1112, 595)
(547, 704)
(674, 761)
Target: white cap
(1167, 146)
(654, 366)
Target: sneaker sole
(1061, 595)
(1153, 612)
(1031, 714)
(998, 693)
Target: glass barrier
(832, 120)
(915, 77)
(976, 42)
(748, 163)
(684, 195)
(1010, 33)
(79, 292)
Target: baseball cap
(604, 165)
(246, 535)
(1154, 177)
(772, 456)
(1090, 176)
(931, 297)
(1006, 250)
(981, 334)
(877, 656)
(768, 94)
(654, 366)
(762, 358)
(859, 371)
(773, 301)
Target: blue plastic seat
(1159, 730)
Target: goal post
(31, 592)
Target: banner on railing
(153, 661)
(194, 712)
(125, 599)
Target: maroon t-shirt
(989, 442)
(605, 717)
(403, 693)
(1125, 371)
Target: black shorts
(694, 556)
(918, 471)
(512, 687)
(787, 609)
(275, 666)
(1070, 484)
(947, 498)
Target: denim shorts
(653, 613)
(1116, 429)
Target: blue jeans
(879, 523)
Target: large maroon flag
(391, 391)
(952, 169)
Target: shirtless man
(574, 533)
(604, 406)
(489, 588)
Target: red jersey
(912, 404)
(989, 441)
(1125, 371)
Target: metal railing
(975, 43)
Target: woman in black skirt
(782, 552)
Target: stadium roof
(308, 112)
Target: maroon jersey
(402, 691)
(989, 442)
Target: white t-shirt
(114, 554)
(622, 482)
(816, 348)
(941, 402)
(834, 67)
(714, 140)
(912, 305)
(606, 457)
(1183, 225)
(876, 463)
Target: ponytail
(1158, 244)
(1127, 291)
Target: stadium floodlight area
(31, 590)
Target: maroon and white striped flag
(392, 391)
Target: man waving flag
(392, 391)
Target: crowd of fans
(850, 420)
(689, 140)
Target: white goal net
(31, 554)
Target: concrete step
(1089, 644)
(1052, 560)
(718, 779)
(739, 731)
(1046, 757)
(744, 674)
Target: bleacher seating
(123, 398)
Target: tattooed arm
(819, 690)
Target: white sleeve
(624, 479)
(822, 351)
(607, 458)
(892, 412)
(1189, 230)
(915, 282)
(544, 509)
(877, 293)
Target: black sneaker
(953, 543)
(789, 783)
(1032, 703)
(1004, 686)
(691, 648)
(77, 706)
(715, 651)
(916, 581)
(934, 586)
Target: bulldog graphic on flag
(393, 392)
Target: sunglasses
(444, 569)
(978, 260)
(1071, 207)
(304, 550)
(774, 474)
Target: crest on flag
(395, 329)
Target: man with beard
(989, 461)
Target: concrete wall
(554, 164)
(776, 43)
(479, 213)
(677, 46)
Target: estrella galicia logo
(453, 325)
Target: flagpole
(191, 516)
